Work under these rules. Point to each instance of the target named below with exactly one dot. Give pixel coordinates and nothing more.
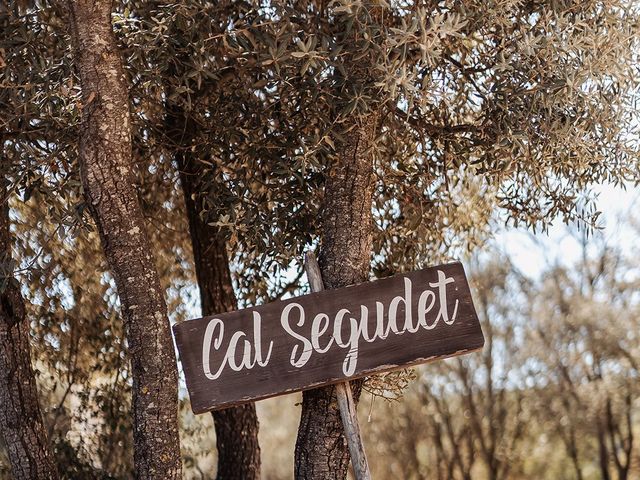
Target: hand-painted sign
(327, 337)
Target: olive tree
(389, 134)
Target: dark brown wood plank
(277, 359)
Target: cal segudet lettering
(327, 337)
(294, 315)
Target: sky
(530, 252)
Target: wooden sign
(327, 337)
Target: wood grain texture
(279, 376)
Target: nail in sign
(328, 337)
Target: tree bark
(21, 424)
(236, 427)
(108, 181)
(321, 449)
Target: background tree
(21, 424)
(554, 394)
(488, 388)
(236, 427)
(589, 332)
(466, 417)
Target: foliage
(511, 105)
(503, 109)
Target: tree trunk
(603, 453)
(236, 427)
(321, 448)
(572, 447)
(108, 181)
(21, 424)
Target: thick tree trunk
(21, 424)
(108, 180)
(321, 448)
(236, 427)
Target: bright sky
(528, 251)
